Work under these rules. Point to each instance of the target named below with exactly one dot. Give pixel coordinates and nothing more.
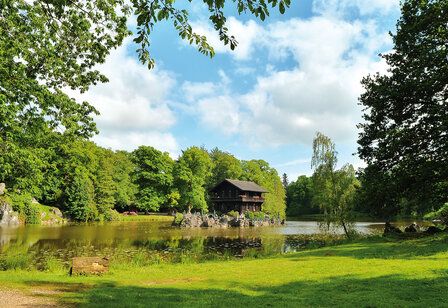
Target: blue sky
(290, 76)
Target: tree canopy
(299, 196)
(404, 137)
(153, 175)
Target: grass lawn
(374, 272)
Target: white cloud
(363, 7)
(162, 141)
(246, 33)
(133, 105)
(220, 113)
(195, 90)
(319, 94)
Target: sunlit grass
(368, 273)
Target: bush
(19, 201)
(249, 215)
(32, 214)
(15, 257)
(179, 217)
(260, 215)
(28, 211)
(254, 215)
(441, 214)
(234, 214)
(112, 215)
(52, 264)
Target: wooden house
(235, 195)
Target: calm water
(159, 240)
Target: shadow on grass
(384, 248)
(344, 291)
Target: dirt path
(19, 298)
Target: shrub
(234, 214)
(249, 215)
(441, 214)
(14, 257)
(32, 214)
(28, 211)
(52, 264)
(19, 201)
(112, 215)
(254, 215)
(178, 219)
(259, 215)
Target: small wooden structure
(235, 195)
(89, 266)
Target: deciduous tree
(191, 173)
(334, 190)
(404, 137)
(153, 175)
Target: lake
(160, 242)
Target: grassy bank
(154, 217)
(374, 272)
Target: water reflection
(133, 240)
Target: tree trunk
(345, 229)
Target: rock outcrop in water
(411, 230)
(196, 220)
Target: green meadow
(372, 272)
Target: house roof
(244, 185)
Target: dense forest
(91, 183)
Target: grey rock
(412, 228)
(2, 189)
(7, 216)
(56, 211)
(196, 220)
(389, 229)
(208, 221)
(433, 230)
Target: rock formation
(196, 220)
(7, 216)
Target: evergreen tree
(285, 181)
